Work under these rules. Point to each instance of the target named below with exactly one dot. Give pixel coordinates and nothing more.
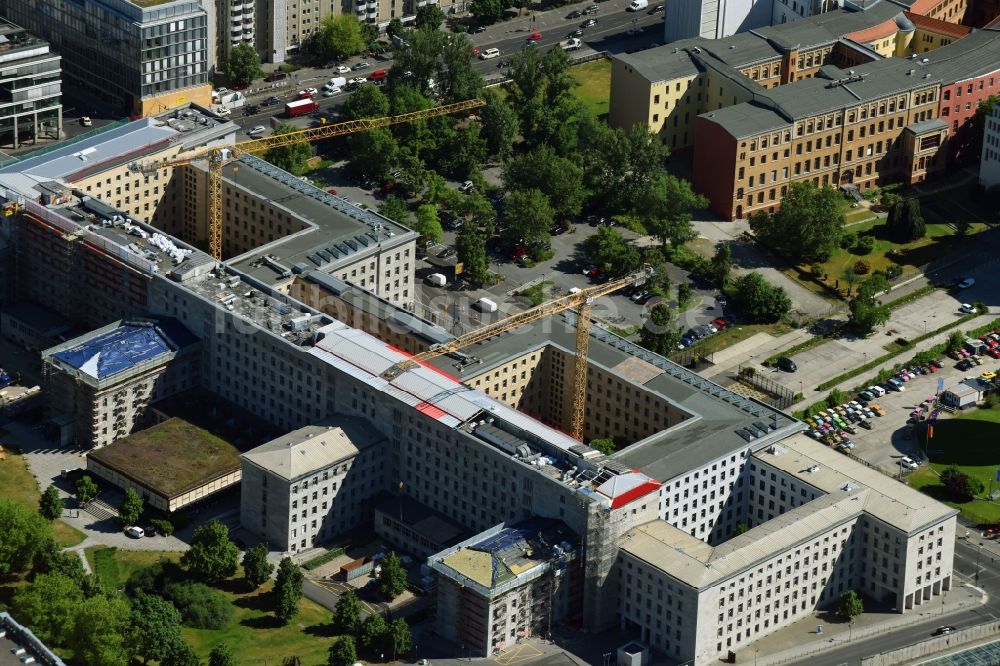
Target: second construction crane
(582, 300)
(218, 156)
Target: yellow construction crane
(218, 156)
(583, 300)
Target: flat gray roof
(350, 231)
(718, 413)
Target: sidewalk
(801, 640)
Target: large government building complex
(862, 96)
(300, 326)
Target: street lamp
(755, 650)
(925, 327)
(978, 552)
(850, 629)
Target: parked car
(640, 296)
(135, 532)
(942, 631)
(786, 364)
(589, 23)
(466, 187)
(360, 66)
(343, 69)
(455, 224)
(966, 283)
(655, 10)
(256, 129)
(574, 33)
(897, 383)
(908, 462)
(966, 308)
(720, 323)
(575, 14)
(478, 29)
(86, 121)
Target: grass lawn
(940, 240)
(969, 442)
(255, 636)
(116, 566)
(862, 215)
(18, 484)
(594, 89)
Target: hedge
(323, 559)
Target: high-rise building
(125, 57)
(989, 166)
(30, 87)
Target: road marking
(520, 652)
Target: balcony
(235, 31)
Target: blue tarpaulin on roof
(117, 350)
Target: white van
(637, 5)
(485, 305)
(877, 390)
(486, 54)
(437, 280)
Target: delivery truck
(336, 82)
(300, 107)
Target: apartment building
(819, 525)
(312, 483)
(124, 57)
(989, 165)
(867, 126)
(30, 88)
(104, 381)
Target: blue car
(686, 341)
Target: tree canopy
(391, 579)
(338, 37)
(761, 301)
(660, 333)
(558, 178)
(373, 632)
(665, 207)
(50, 505)
(243, 65)
(131, 507)
(960, 486)
(287, 590)
(347, 613)
(487, 11)
(429, 17)
(111, 646)
(428, 225)
(221, 655)
(256, 568)
(343, 652)
(292, 158)
(157, 627)
(808, 224)
(48, 605)
(609, 250)
(24, 531)
(528, 215)
(866, 311)
(213, 556)
(850, 606)
(86, 489)
(471, 252)
(395, 209)
(905, 222)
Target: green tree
(740, 529)
(660, 333)
(808, 224)
(347, 613)
(866, 311)
(394, 28)
(156, 626)
(960, 486)
(343, 652)
(391, 580)
(373, 633)
(131, 507)
(500, 125)
(722, 264)
(366, 102)
(619, 165)
(605, 445)
(471, 250)
(24, 531)
(243, 65)
(429, 17)
(557, 177)
(50, 558)
(213, 556)
(487, 11)
(179, 653)
(462, 152)
(761, 301)
(48, 605)
(339, 37)
(256, 568)
(609, 250)
(373, 153)
(665, 207)
(287, 590)
(395, 209)
(50, 505)
(222, 655)
(86, 489)
(528, 215)
(954, 342)
(905, 221)
(850, 606)
(200, 606)
(292, 158)
(479, 210)
(111, 644)
(402, 639)
(428, 225)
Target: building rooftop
(14, 38)
(122, 347)
(14, 638)
(717, 413)
(304, 451)
(338, 233)
(170, 458)
(696, 563)
(827, 470)
(500, 556)
(117, 143)
(424, 521)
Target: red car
(332, 190)
(994, 352)
(518, 253)
(475, 51)
(720, 323)
(535, 37)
